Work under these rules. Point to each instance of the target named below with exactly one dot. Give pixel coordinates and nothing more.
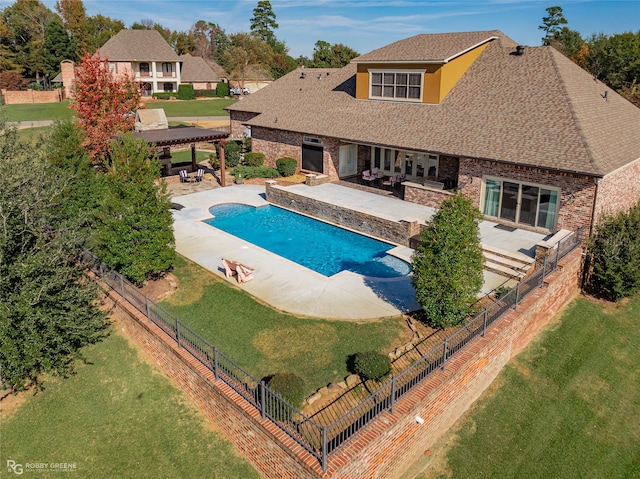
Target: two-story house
(145, 55)
(532, 138)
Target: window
(396, 85)
(113, 67)
(144, 69)
(525, 203)
(167, 69)
(348, 160)
(413, 165)
(168, 87)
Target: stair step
(508, 262)
(503, 270)
(514, 255)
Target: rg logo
(13, 466)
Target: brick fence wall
(12, 97)
(392, 443)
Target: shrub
(289, 386)
(215, 162)
(185, 92)
(614, 255)
(247, 143)
(206, 93)
(162, 95)
(255, 172)
(254, 159)
(287, 166)
(232, 154)
(222, 90)
(372, 365)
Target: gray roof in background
(537, 109)
(430, 47)
(196, 69)
(138, 45)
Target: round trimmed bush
(372, 365)
(289, 386)
(254, 159)
(287, 166)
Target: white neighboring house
(146, 55)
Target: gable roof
(137, 45)
(537, 109)
(196, 69)
(430, 47)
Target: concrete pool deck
(292, 288)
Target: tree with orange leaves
(103, 102)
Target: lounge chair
(375, 172)
(184, 177)
(244, 273)
(367, 176)
(229, 267)
(199, 175)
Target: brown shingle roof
(430, 47)
(196, 69)
(537, 109)
(138, 45)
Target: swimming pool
(319, 246)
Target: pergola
(179, 135)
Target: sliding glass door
(524, 203)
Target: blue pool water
(314, 244)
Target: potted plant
(239, 178)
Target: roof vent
(519, 50)
(303, 75)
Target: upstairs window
(394, 85)
(144, 69)
(167, 69)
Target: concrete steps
(507, 263)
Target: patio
(290, 287)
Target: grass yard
(37, 111)
(117, 417)
(183, 157)
(265, 341)
(213, 107)
(567, 406)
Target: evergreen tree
(551, 24)
(57, 46)
(48, 308)
(134, 222)
(263, 22)
(448, 262)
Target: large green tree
(75, 21)
(327, 55)
(134, 220)
(58, 46)
(48, 308)
(263, 22)
(448, 262)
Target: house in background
(534, 140)
(202, 74)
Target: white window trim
(396, 71)
(501, 179)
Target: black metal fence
(321, 441)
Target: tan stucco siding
(451, 72)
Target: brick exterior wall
(386, 448)
(618, 191)
(424, 195)
(238, 118)
(576, 191)
(32, 96)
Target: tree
(48, 308)
(448, 262)
(57, 46)
(614, 59)
(614, 255)
(551, 24)
(568, 42)
(100, 29)
(102, 102)
(245, 51)
(74, 18)
(263, 22)
(326, 55)
(134, 219)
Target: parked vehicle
(239, 91)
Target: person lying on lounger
(244, 273)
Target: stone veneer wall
(398, 232)
(387, 447)
(423, 195)
(237, 126)
(576, 191)
(618, 191)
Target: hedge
(186, 92)
(287, 166)
(255, 172)
(254, 159)
(372, 365)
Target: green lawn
(568, 406)
(265, 341)
(61, 110)
(117, 417)
(214, 107)
(37, 112)
(183, 157)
